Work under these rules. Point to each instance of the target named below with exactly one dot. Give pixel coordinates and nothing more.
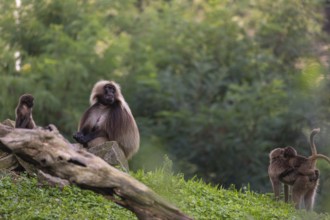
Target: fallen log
(48, 151)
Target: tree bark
(49, 152)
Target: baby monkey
(24, 112)
(299, 165)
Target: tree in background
(214, 84)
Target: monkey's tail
(311, 139)
(320, 156)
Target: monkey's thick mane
(120, 121)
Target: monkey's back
(299, 161)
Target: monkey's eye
(109, 89)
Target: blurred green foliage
(216, 84)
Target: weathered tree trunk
(55, 156)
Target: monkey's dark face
(27, 100)
(289, 152)
(109, 95)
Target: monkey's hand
(80, 137)
(286, 173)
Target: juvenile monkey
(300, 165)
(109, 118)
(24, 112)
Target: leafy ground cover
(21, 197)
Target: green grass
(203, 201)
(22, 198)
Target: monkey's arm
(17, 123)
(82, 138)
(86, 134)
(25, 122)
(287, 176)
(22, 122)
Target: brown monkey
(300, 177)
(109, 118)
(304, 190)
(299, 172)
(24, 112)
(280, 171)
(299, 164)
(277, 165)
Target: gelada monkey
(304, 190)
(24, 112)
(109, 118)
(277, 166)
(295, 170)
